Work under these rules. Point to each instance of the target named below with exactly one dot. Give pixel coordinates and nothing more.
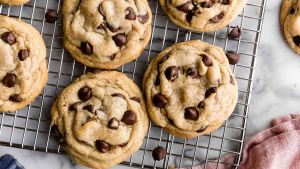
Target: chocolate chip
(131, 15)
(159, 153)
(191, 113)
(114, 123)
(23, 54)
(120, 39)
(8, 37)
(101, 10)
(210, 91)
(96, 70)
(143, 18)
(135, 2)
(85, 93)
(201, 104)
(233, 57)
(157, 81)
(122, 145)
(184, 7)
(89, 119)
(189, 17)
(112, 29)
(159, 100)
(163, 59)
(51, 16)
(231, 80)
(136, 99)
(15, 98)
(206, 60)
(63, 144)
(235, 33)
(112, 57)
(172, 73)
(86, 48)
(218, 18)
(54, 129)
(292, 11)
(89, 108)
(201, 130)
(73, 107)
(171, 121)
(102, 26)
(84, 142)
(207, 4)
(129, 118)
(226, 2)
(296, 40)
(192, 72)
(102, 146)
(118, 95)
(9, 80)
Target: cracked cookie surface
(202, 15)
(14, 2)
(106, 33)
(101, 119)
(290, 23)
(23, 67)
(190, 89)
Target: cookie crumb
(171, 167)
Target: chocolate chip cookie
(14, 2)
(23, 67)
(106, 33)
(101, 118)
(290, 22)
(202, 15)
(190, 89)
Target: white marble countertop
(275, 92)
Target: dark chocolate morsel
(191, 113)
(23, 54)
(201, 104)
(236, 32)
(172, 73)
(296, 40)
(120, 39)
(89, 108)
(159, 153)
(9, 80)
(73, 107)
(193, 72)
(207, 4)
(8, 37)
(101, 10)
(226, 2)
(210, 91)
(143, 18)
(136, 99)
(102, 146)
(86, 48)
(189, 17)
(218, 18)
(206, 60)
(201, 130)
(233, 57)
(51, 16)
(184, 7)
(163, 59)
(85, 93)
(96, 70)
(15, 98)
(159, 100)
(112, 29)
(292, 11)
(118, 95)
(131, 15)
(129, 118)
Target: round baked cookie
(202, 15)
(290, 22)
(14, 2)
(101, 118)
(23, 67)
(190, 89)
(106, 33)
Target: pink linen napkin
(274, 148)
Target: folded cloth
(7, 161)
(274, 148)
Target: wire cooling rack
(29, 128)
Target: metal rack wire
(29, 128)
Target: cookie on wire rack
(100, 118)
(23, 67)
(290, 23)
(202, 15)
(190, 89)
(14, 2)
(106, 33)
